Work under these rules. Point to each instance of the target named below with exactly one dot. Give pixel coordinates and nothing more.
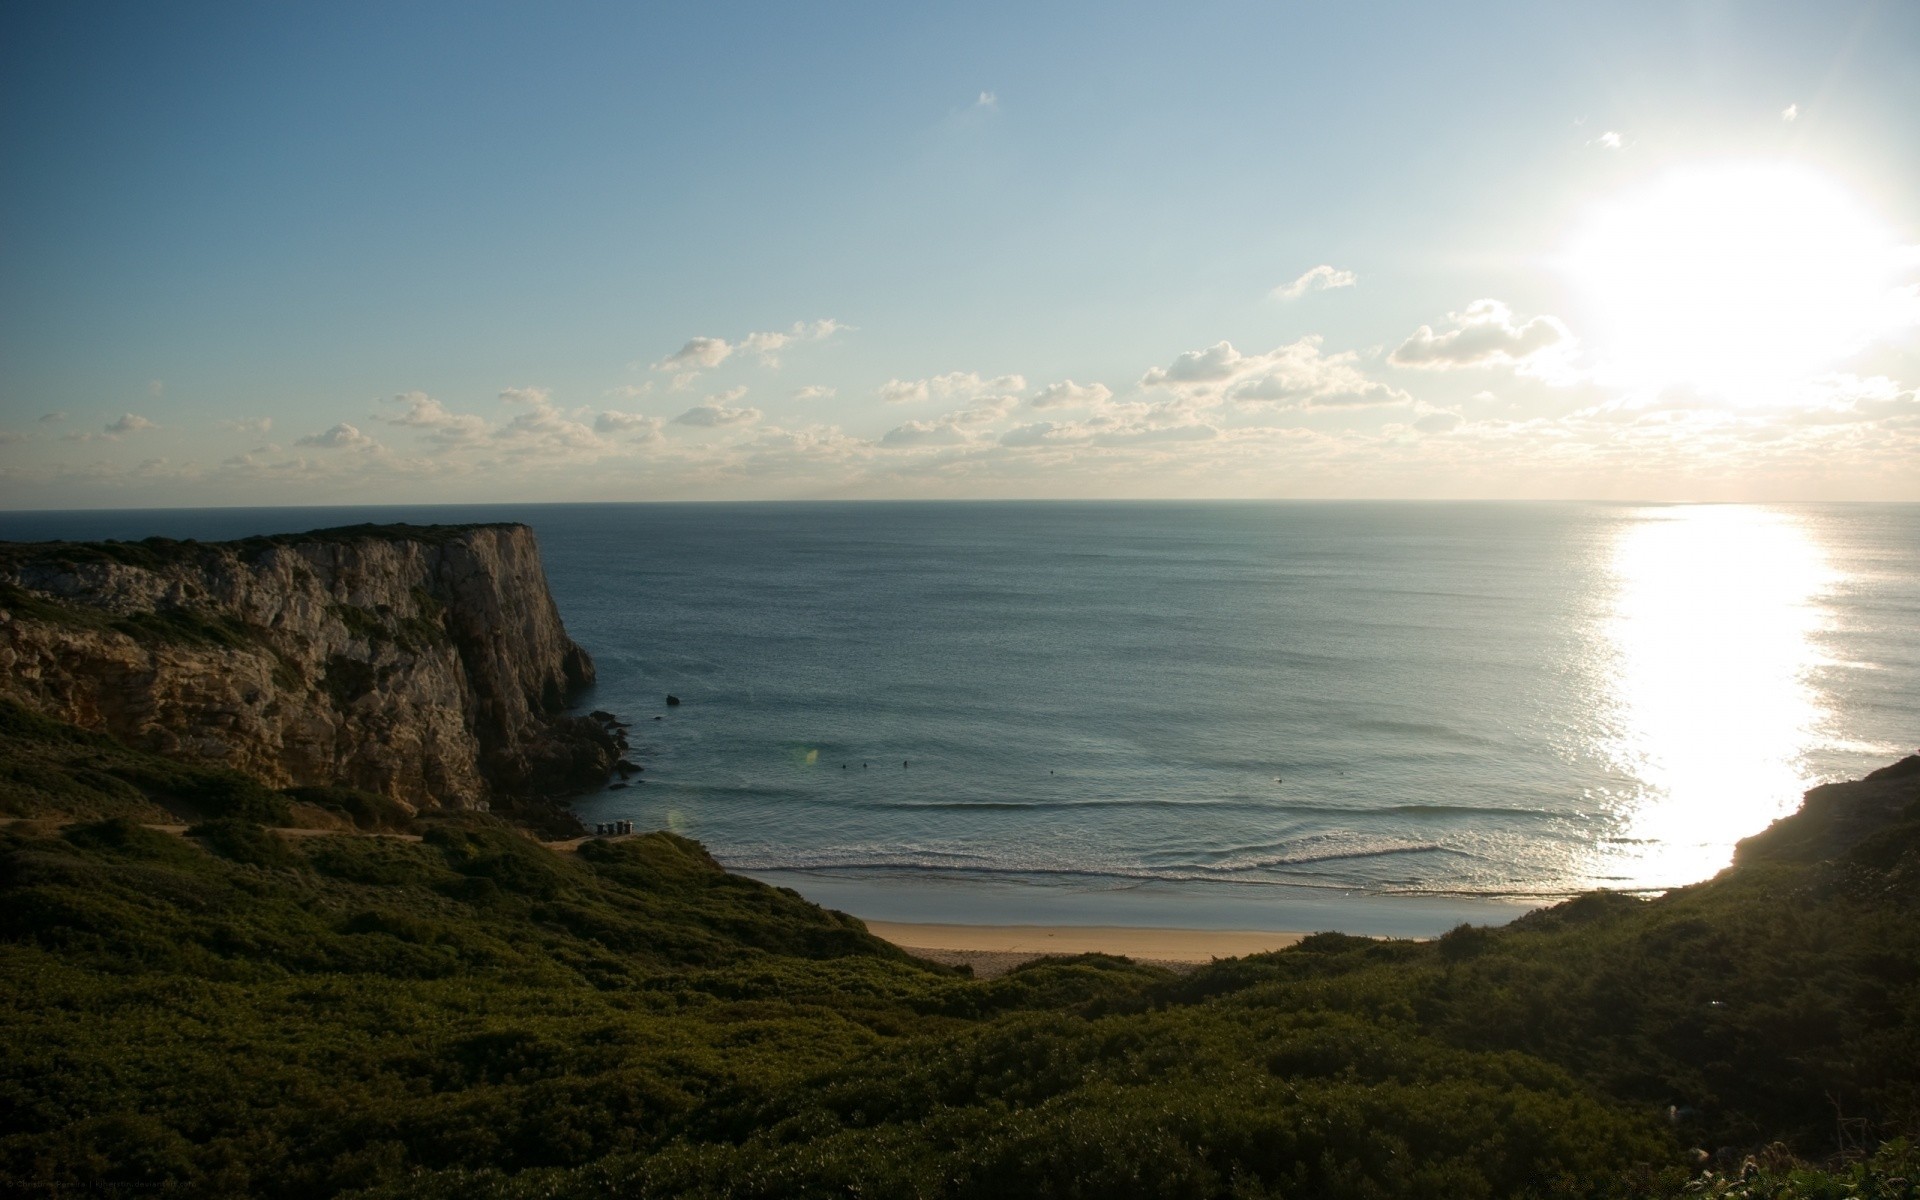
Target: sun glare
(1717, 619)
(1741, 280)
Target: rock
(672, 699)
(427, 664)
(614, 787)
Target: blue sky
(449, 252)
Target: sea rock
(424, 663)
(672, 699)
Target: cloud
(632, 391)
(341, 437)
(156, 388)
(902, 391)
(1320, 279)
(52, 417)
(249, 425)
(1487, 335)
(1790, 113)
(1296, 375)
(444, 427)
(969, 383)
(1610, 140)
(924, 433)
(612, 421)
(1438, 422)
(130, 423)
(815, 391)
(699, 353)
(714, 412)
(705, 353)
(987, 100)
(544, 429)
(766, 344)
(1068, 394)
(954, 385)
(9, 438)
(955, 428)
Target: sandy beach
(995, 949)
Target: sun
(1740, 280)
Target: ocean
(1384, 717)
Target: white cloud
(1790, 113)
(962, 384)
(130, 423)
(767, 343)
(954, 385)
(815, 391)
(613, 421)
(444, 427)
(902, 391)
(1320, 279)
(1488, 335)
(1068, 394)
(955, 428)
(341, 437)
(987, 100)
(1296, 375)
(544, 429)
(705, 353)
(1610, 140)
(714, 413)
(632, 391)
(1438, 421)
(250, 425)
(924, 433)
(699, 353)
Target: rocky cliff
(423, 663)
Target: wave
(924, 859)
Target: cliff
(427, 664)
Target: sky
(455, 252)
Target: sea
(1380, 717)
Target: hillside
(247, 1012)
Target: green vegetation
(455, 1010)
(157, 552)
(184, 626)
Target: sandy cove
(995, 949)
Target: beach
(996, 949)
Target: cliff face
(424, 663)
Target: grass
(241, 1012)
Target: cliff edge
(427, 664)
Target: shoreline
(993, 950)
(1215, 909)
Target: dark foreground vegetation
(445, 1007)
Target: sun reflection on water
(1714, 635)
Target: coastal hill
(316, 990)
(426, 664)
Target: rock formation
(423, 663)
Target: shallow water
(940, 709)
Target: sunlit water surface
(1214, 700)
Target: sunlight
(1743, 280)
(1713, 630)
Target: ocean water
(1267, 715)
